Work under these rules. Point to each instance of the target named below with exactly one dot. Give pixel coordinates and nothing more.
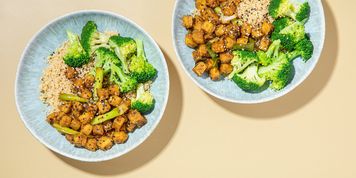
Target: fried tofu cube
(229, 42)
(187, 21)
(86, 93)
(119, 122)
(200, 68)
(91, 144)
(214, 74)
(208, 27)
(209, 64)
(65, 121)
(98, 130)
(104, 143)
(86, 117)
(220, 30)
(65, 107)
(89, 80)
(136, 118)
(229, 9)
(115, 100)
(75, 124)
(120, 137)
(103, 106)
(226, 58)
(77, 106)
(107, 125)
(198, 36)
(246, 30)
(114, 90)
(226, 69)
(218, 46)
(189, 41)
(242, 41)
(264, 43)
(87, 129)
(80, 140)
(103, 93)
(266, 28)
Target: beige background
(310, 133)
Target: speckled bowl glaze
(34, 61)
(226, 89)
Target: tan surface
(310, 133)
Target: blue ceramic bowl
(34, 61)
(226, 89)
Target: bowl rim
(135, 144)
(258, 101)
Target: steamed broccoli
(249, 80)
(279, 72)
(119, 77)
(290, 35)
(144, 101)
(241, 60)
(304, 48)
(92, 39)
(140, 68)
(76, 55)
(266, 58)
(124, 48)
(105, 58)
(283, 8)
(281, 23)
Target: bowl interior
(226, 89)
(34, 61)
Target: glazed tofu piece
(229, 8)
(103, 93)
(119, 122)
(187, 21)
(229, 42)
(115, 100)
(103, 106)
(71, 73)
(225, 69)
(264, 43)
(198, 36)
(65, 121)
(208, 27)
(214, 74)
(120, 137)
(246, 30)
(89, 80)
(107, 125)
(220, 30)
(98, 130)
(104, 143)
(80, 140)
(218, 46)
(200, 68)
(242, 41)
(226, 58)
(86, 117)
(65, 107)
(77, 106)
(266, 28)
(200, 4)
(86, 93)
(209, 64)
(189, 41)
(91, 144)
(256, 33)
(136, 118)
(75, 124)
(212, 3)
(114, 90)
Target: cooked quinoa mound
(254, 12)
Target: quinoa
(254, 12)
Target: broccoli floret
(119, 77)
(249, 80)
(140, 68)
(283, 8)
(290, 35)
(304, 48)
(124, 48)
(76, 55)
(241, 60)
(281, 23)
(144, 101)
(266, 58)
(92, 39)
(279, 72)
(105, 58)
